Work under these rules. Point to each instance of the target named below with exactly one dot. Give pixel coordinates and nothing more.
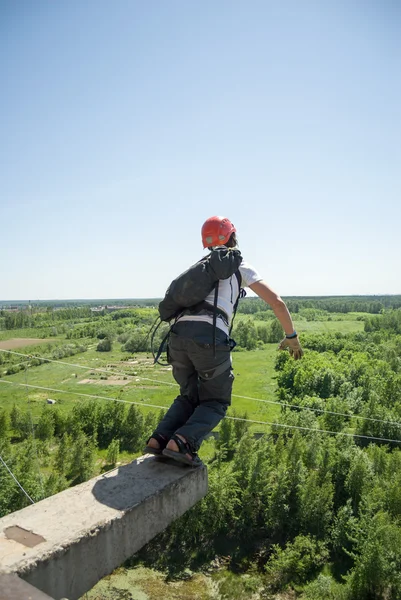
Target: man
(200, 354)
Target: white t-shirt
(227, 297)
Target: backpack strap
(156, 355)
(241, 294)
(216, 296)
(200, 305)
(204, 306)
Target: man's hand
(293, 345)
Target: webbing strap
(241, 294)
(216, 296)
(160, 350)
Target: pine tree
(83, 459)
(15, 417)
(133, 429)
(4, 424)
(111, 421)
(113, 452)
(45, 427)
(63, 456)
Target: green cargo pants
(205, 381)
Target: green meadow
(145, 382)
(133, 378)
(285, 496)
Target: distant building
(108, 308)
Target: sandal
(156, 451)
(181, 456)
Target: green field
(262, 485)
(147, 383)
(343, 326)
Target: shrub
(296, 562)
(104, 345)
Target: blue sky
(124, 125)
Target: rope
(354, 435)
(86, 367)
(33, 433)
(40, 387)
(320, 410)
(367, 437)
(16, 480)
(117, 372)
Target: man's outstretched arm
(280, 309)
(278, 305)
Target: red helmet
(216, 231)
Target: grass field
(343, 326)
(147, 384)
(75, 380)
(14, 343)
(27, 332)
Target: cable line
(33, 433)
(367, 437)
(40, 387)
(86, 367)
(16, 480)
(287, 404)
(321, 410)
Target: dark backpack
(189, 290)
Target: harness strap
(241, 294)
(207, 306)
(161, 347)
(216, 312)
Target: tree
(113, 452)
(246, 334)
(378, 564)
(241, 425)
(21, 422)
(296, 563)
(150, 424)
(54, 484)
(132, 429)
(15, 417)
(28, 473)
(359, 477)
(104, 345)
(137, 341)
(316, 504)
(276, 331)
(86, 416)
(226, 441)
(63, 455)
(111, 419)
(83, 459)
(45, 427)
(4, 424)
(324, 587)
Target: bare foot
(152, 443)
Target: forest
(307, 507)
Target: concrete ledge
(65, 544)
(13, 588)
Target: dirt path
(20, 343)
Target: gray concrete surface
(91, 529)
(14, 588)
